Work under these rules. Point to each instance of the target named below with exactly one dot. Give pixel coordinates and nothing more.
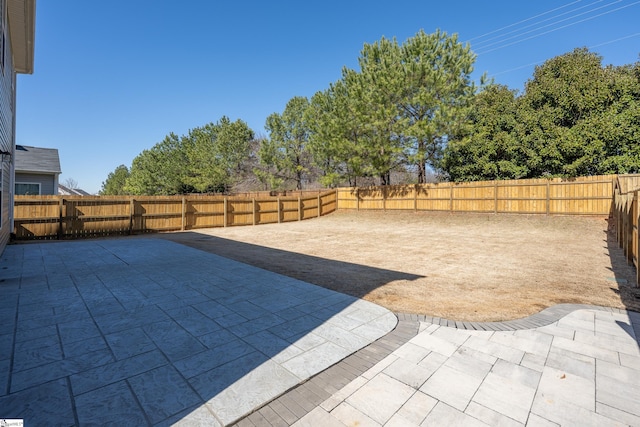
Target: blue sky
(112, 78)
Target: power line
(548, 25)
(525, 20)
(615, 40)
(540, 62)
(559, 28)
(516, 68)
(479, 45)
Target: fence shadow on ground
(623, 278)
(353, 279)
(623, 281)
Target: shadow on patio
(139, 331)
(353, 279)
(623, 280)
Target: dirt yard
(472, 267)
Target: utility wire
(615, 40)
(540, 62)
(524, 20)
(548, 25)
(559, 28)
(479, 44)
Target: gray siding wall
(47, 182)
(7, 125)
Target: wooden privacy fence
(625, 214)
(591, 195)
(58, 217)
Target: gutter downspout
(12, 163)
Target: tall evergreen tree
(159, 170)
(396, 111)
(285, 155)
(115, 182)
(435, 92)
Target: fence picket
(59, 217)
(579, 196)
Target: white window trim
(29, 183)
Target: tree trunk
(422, 173)
(422, 167)
(385, 178)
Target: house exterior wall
(48, 183)
(7, 127)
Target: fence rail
(59, 217)
(626, 216)
(581, 196)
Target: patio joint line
(13, 347)
(74, 280)
(73, 401)
(137, 400)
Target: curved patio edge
(543, 318)
(303, 398)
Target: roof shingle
(37, 160)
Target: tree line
(411, 113)
(575, 118)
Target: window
(27, 188)
(1, 175)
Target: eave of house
(22, 30)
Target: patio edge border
(295, 403)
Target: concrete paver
(380, 397)
(552, 375)
(149, 332)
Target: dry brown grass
(472, 267)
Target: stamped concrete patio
(149, 332)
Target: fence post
(548, 197)
(184, 213)
(255, 210)
(226, 206)
(619, 218)
(633, 208)
(384, 197)
(451, 197)
(299, 208)
(357, 198)
(415, 197)
(628, 251)
(618, 204)
(60, 208)
(279, 211)
(131, 210)
(319, 205)
(625, 219)
(495, 197)
(637, 220)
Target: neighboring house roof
(66, 191)
(37, 160)
(22, 32)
